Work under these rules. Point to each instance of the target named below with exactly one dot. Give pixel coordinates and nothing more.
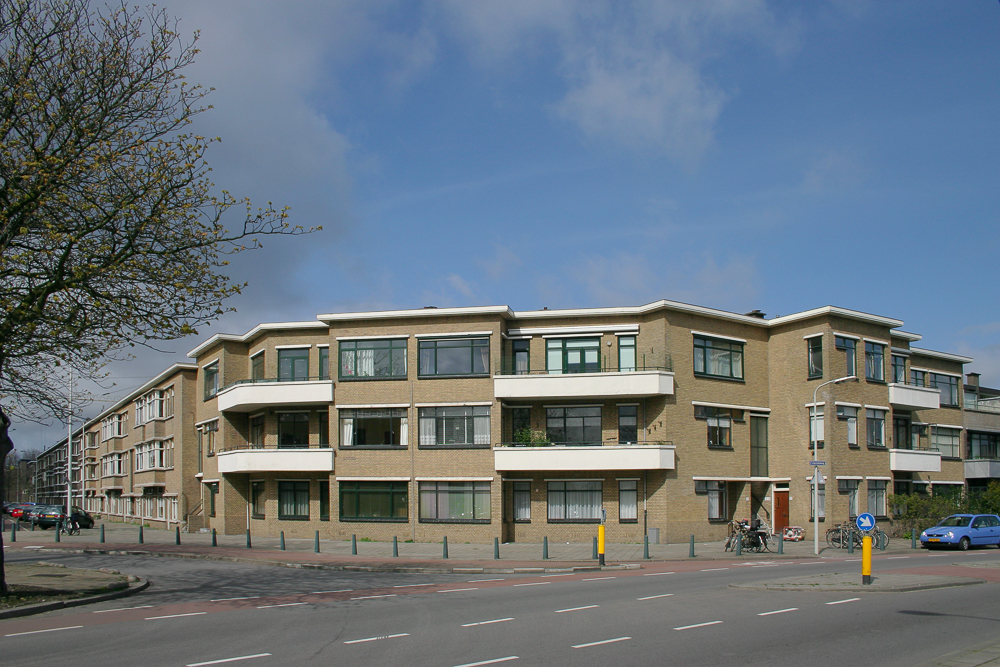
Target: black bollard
(215, 540)
(281, 541)
(13, 531)
(102, 533)
(354, 545)
(545, 548)
(739, 545)
(316, 543)
(58, 529)
(444, 549)
(496, 548)
(781, 544)
(177, 535)
(645, 547)
(249, 544)
(140, 535)
(395, 548)
(691, 548)
(593, 553)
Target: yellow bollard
(866, 560)
(600, 545)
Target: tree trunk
(6, 446)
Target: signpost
(866, 522)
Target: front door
(780, 510)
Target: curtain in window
(628, 507)
(522, 501)
(481, 428)
(404, 432)
(366, 362)
(816, 424)
(428, 430)
(347, 429)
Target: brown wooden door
(780, 510)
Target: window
(522, 502)
(628, 424)
(206, 437)
(520, 348)
(874, 361)
(373, 359)
(520, 424)
(628, 501)
(257, 367)
(574, 426)
(257, 499)
(816, 425)
(718, 358)
(718, 501)
(876, 497)
(849, 415)
(455, 356)
(213, 491)
(948, 384)
(324, 501)
(293, 429)
(849, 488)
(323, 417)
(626, 353)
(113, 426)
(876, 427)
(293, 501)
(719, 421)
(211, 380)
(944, 490)
(373, 427)
(155, 455)
(324, 363)
(758, 447)
(373, 501)
(901, 433)
(256, 432)
(458, 502)
(815, 353)
(918, 378)
(573, 355)
(898, 368)
(819, 499)
(157, 404)
(574, 502)
(465, 426)
(112, 465)
(850, 348)
(293, 365)
(981, 445)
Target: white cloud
(502, 264)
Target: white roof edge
(836, 310)
(253, 333)
(639, 310)
(905, 335)
(417, 312)
(942, 355)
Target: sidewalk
(40, 587)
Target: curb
(854, 589)
(29, 610)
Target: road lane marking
(813, 562)
(489, 662)
(478, 581)
(843, 601)
(250, 597)
(778, 611)
(656, 574)
(411, 585)
(194, 613)
(342, 590)
(372, 597)
(606, 641)
(653, 597)
(536, 583)
(105, 611)
(219, 662)
(287, 604)
(589, 606)
(495, 620)
(35, 632)
(896, 557)
(715, 569)
(697, 625)
(599, 578)
(372, 639)
(458, 590)
(568, 574)
(852, 560)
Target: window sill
(454, 446)
(324, 518)
(951, 458)
(725, 448)
(878, 448)
(874, 381)
(454, 377)
(257, 516)
(372, 519)
(522, 521)
(293, 518)
(386, 378)
(632, 521)
(480, 521)
(362, 447)
(591, 521)
(705, 376)
(814, 377)
(717, 520)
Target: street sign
(817, 463)
(865, 521)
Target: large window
(463, 425)
(918, 378)
(257, 367)
(874, 361)
(718, 501)
(211, 380)
(113, 426)
(758, 446)
(522, 501)
(849, 488)
(818, 499)
(573, 355)
(718, 358)
(257, 499)
(574, 426)
(628, 501)
(256, 432)
(458, 502)
(719, 422)
(898, 368)
(293, 365)
(157, 404)
(324, 363)
(876, 427)
(817, 430)
(156, 455)
(574, 502)
(206, 437)
(373, 501)
(814, 347)
(628, 424)
(626, 353)
(876, 497)
(948, 441)
(948, 384)
(373, 427)
(849, 415)
(384, 358)
(293, 501)
(850, 349)
(455, 356)
(522, 362)
(981, 445)
(293, 429)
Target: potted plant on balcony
(525, 437)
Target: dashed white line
(412, 585)
(105, 611)
(563, 611)
(656, 574)
(606, 641)
(35, 632)
(843, 601)
(251, 597)
(287, 604)
(567, 574)
(697, 625)
(495, 620)
(896, 557)
(489, 662)
(813, 562)
(852, 560)
(715, 569)
(653, 597)
(372, 597)
(194, 613)
(535, 583)
(342, 590)
(599, 578)
(372, 639)
(458, 590)
(479, 581)
(778, 611)
(219, 662)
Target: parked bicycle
(750, 536)
(843, 534)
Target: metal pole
(645, 547)
(545, 548)
(866, 561)
(69, 449)
(316, 543)
(600, 545)
(691, 548)
(815, 456)
(140, 534)
(444, 550)
(496, 548)
(102, 533)
(354, 545)
(249, 545)
(281, 541)
(177, 535)
(594, 551)
(215, 540)
(395, 547)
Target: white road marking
(218, 662)
(372, 639)
(411, 585)
(194, 613)
(35, 632)
(778, 611)
(843, 601)
(36, 547)
(653, 597)
(656, 574)
(536, 583)
(495, 620)
(342, 590)
(697, 625)
(568, 574)
(606, 641)
(458, 590)
(287, 604)
(896, 557)
(371, 597)
(852, 560)
(478, 581)
(251, 597)
(589, 606)
(599, 578)
(489, 662)
(813, 562)
(715, 569)
(105, 611)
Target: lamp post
(815, 447)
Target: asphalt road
(201, 612)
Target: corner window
(948, 384)
(455, 502)
(324, 363)
(207, 436)
(256, 432)
(918, 378)
(455, 356)
(373, 501)
(522, 501)
(626, 353)
(373, 427)
(898, 368)
(718, 358)
(850, 348)
(293, 429)
(520, 351)
(874, 361)
(211, 380)
(573, 355)
(876, 427)
(876, 497)
(293, 501)
(257, 499)
(628, 501)
(383, 358)
(257, 367)
(465, 425)
(758, 446)
(574, 426)
(628, 424)
(815, 353)
(574, 502)
(816, 425)
(293, 365)
(849, 415)
(719, 422)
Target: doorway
(780, 510)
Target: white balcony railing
(632, 384)
(584, 457)
(914, 460)
(252, 396)
(912, 397)
(276, 460)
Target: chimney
(755, 313)
(972, 379)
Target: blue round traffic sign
(865, 521)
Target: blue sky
(735, 154)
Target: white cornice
(942, 355)
(906, 336)
(253, 333)
(503, 311)
(836, 311)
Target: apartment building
(666, 420)
(982, 427)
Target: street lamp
(815, 447)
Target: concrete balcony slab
(276, 460)
(634, 384)
(576, 458)
(911, 397)
(914, 460)
(252, 396)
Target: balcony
(984, 404)
(304, 459)
(252, 395)
(912, 397)
(601, 384)
(651, 456)
(914, 460)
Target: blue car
(963, 531)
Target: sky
(736, 154)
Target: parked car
(17, 511)
(35, 513)
(50, 515)
(963, 531)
